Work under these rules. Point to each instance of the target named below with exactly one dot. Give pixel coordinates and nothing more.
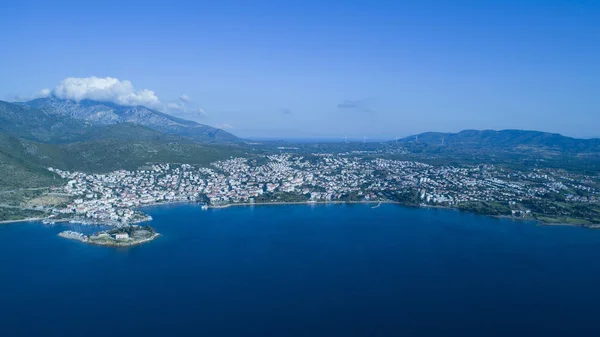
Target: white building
(121, 236)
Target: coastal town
(115, 197)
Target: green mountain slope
(113, 153)
(31, 123)
(103, 113)
(31, 140)
(506, 139)
(21, 163)
(24, 163)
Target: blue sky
(378, 69)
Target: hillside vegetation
(32, 140)
(506, 139)
(103, 113)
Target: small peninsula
(124, 236)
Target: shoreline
(334, 202)
(380, 202)
(77, 236)
(304, 203)
(124, 243)
(7, 222)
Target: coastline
(381, 202)
(125, 243)
(7, 222)
(76, 236)
(333, 202)
(304, 203)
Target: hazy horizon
(326, 69)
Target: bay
(305, 270)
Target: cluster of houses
(320, 177)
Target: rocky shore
(120, 237)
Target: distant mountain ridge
(33, 124)
(505, 139)
(98, 137)
(104, 113)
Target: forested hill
(33, 139)
(506, 139)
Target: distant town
(547, 195)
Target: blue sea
(320, 270)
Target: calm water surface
(343, 270)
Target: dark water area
(320, 270)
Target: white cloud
(176, 106)
(19, 98)
(225, 126)
(44, 93)
(122, 92)
(106, 89)
(182, 110)
(181, 105)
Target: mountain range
(505, 140)
(97, 136)
(102, 113)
